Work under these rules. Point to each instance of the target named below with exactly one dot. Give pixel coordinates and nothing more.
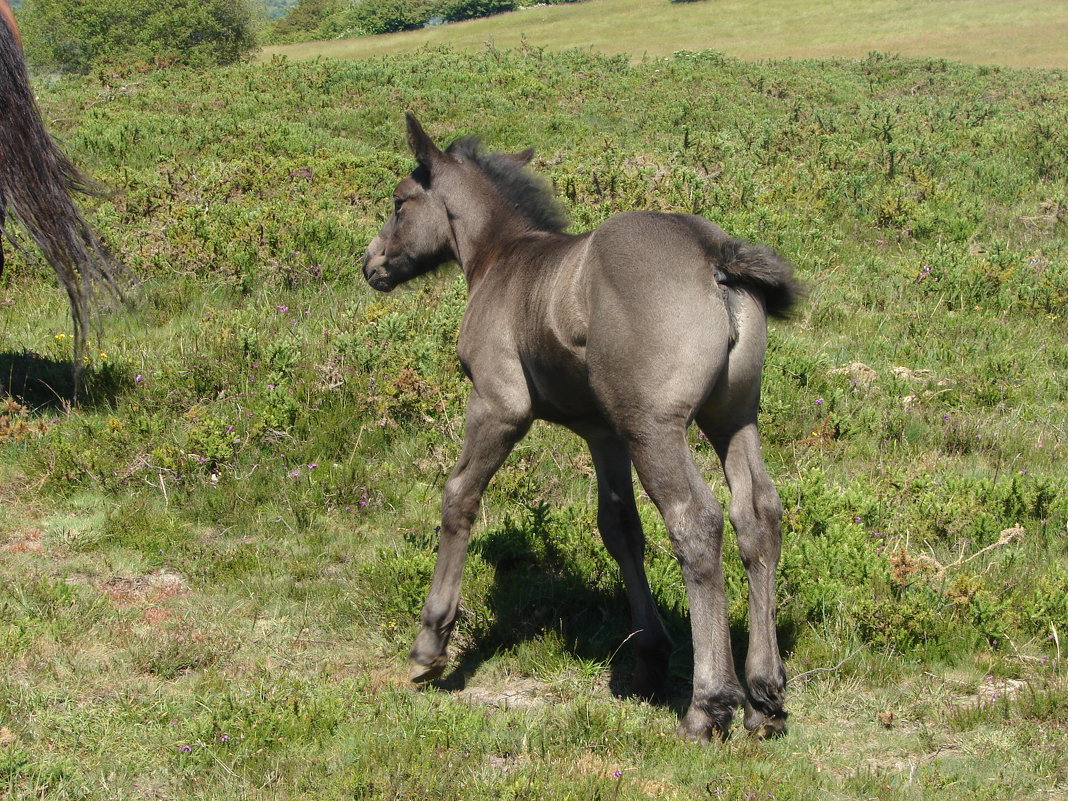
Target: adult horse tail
(38, 187)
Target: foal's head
(437, 205)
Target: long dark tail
(762, 268)
(38, 186)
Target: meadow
(1025, 33)
(211, 568)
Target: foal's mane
(531, 194)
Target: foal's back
(641, 294)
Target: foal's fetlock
(428, 657)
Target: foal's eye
(397, 203)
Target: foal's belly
(560, 391)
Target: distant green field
(1024, 33)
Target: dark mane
(531, 194)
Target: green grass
(210, 572)
(1030, 33)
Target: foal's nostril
(375, 272)
(371, 265)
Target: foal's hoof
(428, 657)
(421, 674)
(700, 727)
(764, 727)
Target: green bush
(76, 35)
(456, 10)
(307, 17)
(389, 16)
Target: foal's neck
(485, 234)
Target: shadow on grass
(538, 588)
(42, 383)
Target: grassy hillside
(210, 572)
(1028, 33)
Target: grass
(210, 571)
(1030, 33)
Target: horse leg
(694, 522)
(490, 435)
(621, 530)
(756, 514)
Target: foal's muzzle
(374, 271)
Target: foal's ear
(426, 152)
(520, 159)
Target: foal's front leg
(491, 433)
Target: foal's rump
(746, 264)
(677, 248)
(672, 301)
(649, 256)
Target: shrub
(389, 16)
(456, 10)
(76, 35)
(308, 16)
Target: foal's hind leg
(490, 434)
(621, 530)
(694, 522)
(756, 514)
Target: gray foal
(626, 335)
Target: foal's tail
(38, 184)
(762, 268)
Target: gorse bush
(76, 35)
